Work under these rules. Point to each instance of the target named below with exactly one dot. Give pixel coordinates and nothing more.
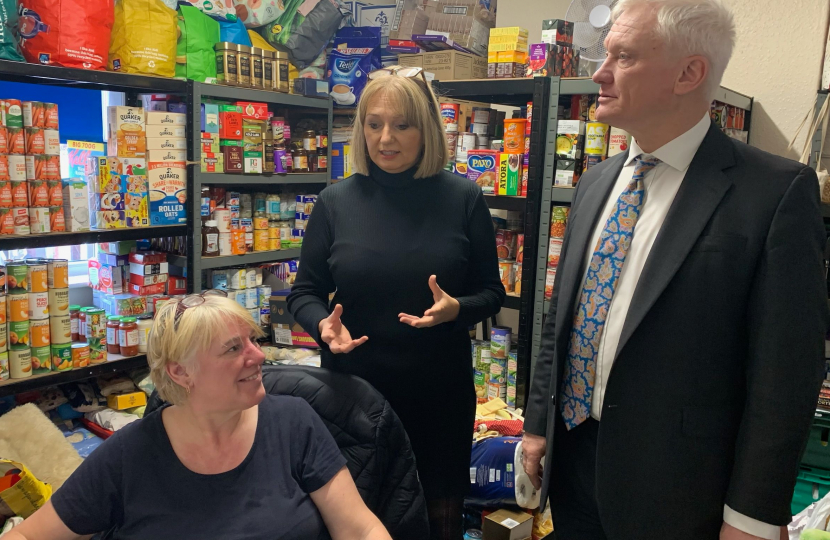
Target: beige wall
(777, 59)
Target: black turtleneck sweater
(374, 241)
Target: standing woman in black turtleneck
(410, 253)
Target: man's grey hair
(690, 27)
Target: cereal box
(156, 143)
(482, 168)
(76, 206)
(164, 118)
(113, 174)
(167, 189)
(165, 132)
(136, 209)
(107, 219)
(510, 174)
(106, 201)
(126, 131)
(155, 156)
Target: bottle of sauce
(309, 141)
(300, 161)
(210, 239)
(113, 340)
(82, 323)
(145, 322)
(129, 336)
(74, 319)
(322, 159)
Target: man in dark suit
(692, 266)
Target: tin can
(452, 143)
(466, 142)
(18, 307)
(38, 193)
(482, 142)
(3, 308)
(58, 302)
(479, 130)
(4, 337)
(20, 363)
(38, 306)
(61, 356)
(53, 142)
(512, 367)
(510, 399)
(254, 313)
(80, 355)
(237, 278)
(596, 139)
(264, 296)
(225, 244)
(265, 316)
(39, 220)
(57, 274)
(41, 360)
(60, 329)
(508, 278)
(260, 223)
(96, 324)
(4, 366)
(251, 299)
(308, 204)
(38, 277)
(449, 114)
(274, 244)
(506, 243)
(17, 169)
(481, 115)
(242, 298)
(17, 277)
(97, 350)
(496, 391)
(246, 224)
(20, 217)
(219, 280)
(39, 333)
(251, 278)
(496, 373)
(500, 341)
(232, 294)
(261, 240)
(480, 382)
(517, 279)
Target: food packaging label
(166, 155)
(126, 131)
(483, 169)
(569, 139)
(618, 142)
(156, 143)
(76, 206)
(165, 131)
(596, 139)
(43, 167)
(163, 118)
(510, 173)
(167, 188)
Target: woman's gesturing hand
(444, 310)
(337, 336)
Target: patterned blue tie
(595, 300)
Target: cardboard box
(148, 269)
(126, 131)
(156, 143)
(144, 281)
(507, 525)
(166, 132)
(455, 65)
(517, 57)
(377, 15)
(76, 206)
(411, 60)
(496, 39)
(557, 32)
(113, 260)
(168, 192)
(123, 305)
(105, 278)
(125, 247)
(166, 155)
(510, 174)
(210, 143)
(176, 285)
(163, 118)
(210, 123)
(108, 219)
(147, 257)
(311, 87)
(507, 47)
(284, 329)
(252, 162)
(120, 402)
(253, 110)
(570, 136)
(413, 21)
(212, 163)
(483, 169)
(230, 122)
(510, 70)
(563, 61)
(147, 290)
(137, 209)
(566, 173)
(517, 31)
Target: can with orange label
(5, 191)
(18, 306)
(38, 276)
(4, 140)
(61, 356)
(35, 140)
(3, 308)
(16, 141)
(6, 220)
(57, 221)
(57, 274)
(80, 355)
(20, 193)
(38, 306)
(514, 135)
(38, 194)
(39, 333)
(4, 167)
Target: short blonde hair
(419, 107)
(198, 326)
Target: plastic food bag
(234, 32)
(221, 9)
(69, 33)
(278, 31)
(259, 41)
(21, 494)
(195, 57)
(8, 20)
(143, 38)
(313, 33)
(356, 53)
(256, 13)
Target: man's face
(638, 77)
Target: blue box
(210, 118)
(113, 260)
(177, 107)
(311, 87)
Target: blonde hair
(419, 107)
(180, 343)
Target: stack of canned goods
(495, 367)
(510, 248)
(35, 328)
(244, 285)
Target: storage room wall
(777, 59)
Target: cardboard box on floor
(507, 525)
(447, 65)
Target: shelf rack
(197, 93)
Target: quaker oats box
(168, 192)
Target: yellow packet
(259, 41)
(26, 496)
(144, 35)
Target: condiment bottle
(74, 320)
(322, 159)
(113, 340)
(300, 160)
(210, 239)
(82, 323)
(310, 141)
(129, 336)
(145, 322)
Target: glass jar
(210, 239)
(243, 62)
(226, 63)
(269, 82)
(256, 67)
(272, 207)
(113, 343)
(82, 323)
(300, 160)
(281, 69)
(128, 336)
(260, 204)
(322, 159)
(323, 139)
(246, 206)
(310, 141)
(74, 319)
(145, 322)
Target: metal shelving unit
(89, 237)
(497, 202)
(197, 93)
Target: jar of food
(226, 63)
(82, 323)
(113, 344)
(269, 82)
(272, 207)
(210, 239)
(243, 62)
(281, 158)
(281, 69)
(323, 139)
(322, 159)
(300, 160)
(145, 322)
(246, 205)
(310, 141)
(129, 336)
(260, 204)
(74, 319)
(256, 67)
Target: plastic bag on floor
(144, 38)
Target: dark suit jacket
(721, 357)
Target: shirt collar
(677, 153)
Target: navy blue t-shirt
(135, 483)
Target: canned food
(242, 298)
(496, 373)
(251, 278)
(260, 223)
(3, 308)
(41, 360)
(251, 299)
(449, 114)
(38, 278)
(480, 130)
(38, 306)
(508, 279)
(38, 193)
(20, 194)
(237, 278)
(17, 277)
(39, 333)
(254, 313)
(274, 244)
(500, 341)
(80, 355)
(20, 217)
(4, 366)
(17, 168)
(225, 244)
(20, 363)
(6, 220)
(57, 219)
(261, 240)
(58, 302)
(480, 382)
(60, 329)
(97, 350)
(495, 391)
(96, 324)
(481, 115)
(18, 307)
(39, 220)
(506, 243)
(57, 274)
(61, 356)
(246, 224)
(4, 337)
(265, 316)
(510, 400)
(512, 367)
(232, 294)
(219, 279)
(264, 296)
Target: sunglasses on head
(193, 300)
(400, 71)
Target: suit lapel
(701, 192)
(581, 228)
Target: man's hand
(533, 450)
(444, 310)
(337, 336)
(728, 532)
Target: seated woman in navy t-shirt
(224, 461)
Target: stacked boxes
(117, 190)
(507, 53)
(570, 140)
(558, 222)
(467, 22)
(166, 178)
(148, 273)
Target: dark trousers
(446, 520)
(573, 495)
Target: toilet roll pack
(497, 476)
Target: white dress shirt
(661, 186)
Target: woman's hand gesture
(337, 336)
(444, 310)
